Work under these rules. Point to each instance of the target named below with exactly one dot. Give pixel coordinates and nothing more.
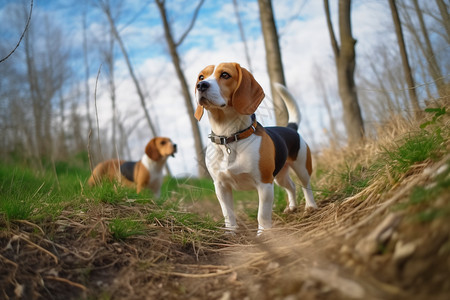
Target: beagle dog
(146, 173)
(241, 153)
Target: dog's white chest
(236, 164)
(155, 170)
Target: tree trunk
(202, 172)
(445, 18)
(404, 55)
(273, 58)
(345, 64)
(435, 71)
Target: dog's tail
(291, 104)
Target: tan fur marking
(267, 156)
(308, 161)
(141, 176)
(109, 169)
(227, 86)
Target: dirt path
(348, 249)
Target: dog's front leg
(225, 197)
(266, 194)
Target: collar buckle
(223, 140)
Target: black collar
(240, 135)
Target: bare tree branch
(194, 18)
(334, 43)
(241, 30)
(23, 33)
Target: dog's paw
(230, 233)
(290, 209)
(309, 210)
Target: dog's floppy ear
(199, 112)
(152, 150)
(248, 94)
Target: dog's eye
(225, 75)
(163, 143)
(201, 77)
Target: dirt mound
(353, 249)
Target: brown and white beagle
(146, 173)
(244, 155)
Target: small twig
(67, 250)
(39, 248)
(37, 191)
(78, 285)
(188, 275)
(218, 273)
(206, 266)
(9, 261)
(32, 224)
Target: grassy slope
(59, 238)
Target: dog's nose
(174, 147)
(203, 86)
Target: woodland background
(110, 74)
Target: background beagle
(241, 153)
(146, 173)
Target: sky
(215, 38)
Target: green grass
(28, 194)
(430, 202)
(114, 193)
(37, 196)
(344, 180)
(123, 228)
(180, 218)
(416, 147)
(192, 189)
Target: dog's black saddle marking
(287, 144)
(127, 170)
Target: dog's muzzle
(174, 150)
(203, 86)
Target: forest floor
(388, 237)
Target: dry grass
(359, 244)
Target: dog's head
(227, 85)
(160, 147)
